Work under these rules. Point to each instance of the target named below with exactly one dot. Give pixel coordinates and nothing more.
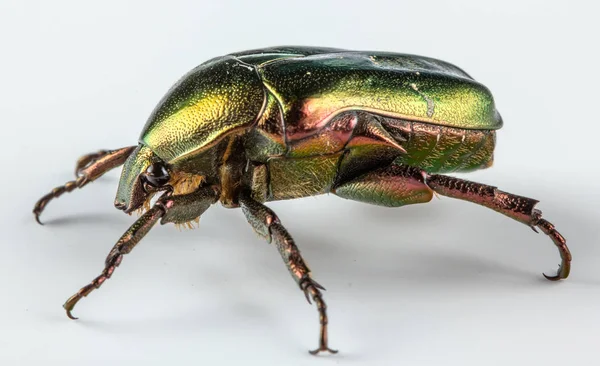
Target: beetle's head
(144, 174)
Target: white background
(447, 283)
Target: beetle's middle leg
(398, 185)
(89, 168)
(172, 209)
(267, 224)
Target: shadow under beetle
(288, 122)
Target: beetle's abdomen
(301, 177)
(357, 142)
(442, 149)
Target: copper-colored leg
(267, 224)
(176, 209)
(561, 243)
(127, 242)
(92, 170)
(311, 287)
(516, 207)
(55, 193)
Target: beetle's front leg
(267, 224)
(175, 209)
(89, 168)
(87, 159)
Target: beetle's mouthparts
(125, 208)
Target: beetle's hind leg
(516, 207)
(89, 168)
(398, 185)
(267, 224)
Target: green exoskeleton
(288, 122)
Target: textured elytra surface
(317, 117)
(202, 107)
(314, 88)
(441, 149)
(293, 92)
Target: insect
(288, 122)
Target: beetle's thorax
(213, 100)
(232, 170)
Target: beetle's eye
(157, 175)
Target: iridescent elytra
(288, 122)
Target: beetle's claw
(39, 208)
(323, 349)
(561, 274)
(37, 218)
(70, 304)
(552, 278)
(71, 315)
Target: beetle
(287, 122)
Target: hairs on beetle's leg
(516, 207)
(267, 224)
(84, 161)
(127, 242)
(92, 171)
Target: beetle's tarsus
(548, 228)
(57, 192)
(312, 289)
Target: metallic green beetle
(288, 122)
